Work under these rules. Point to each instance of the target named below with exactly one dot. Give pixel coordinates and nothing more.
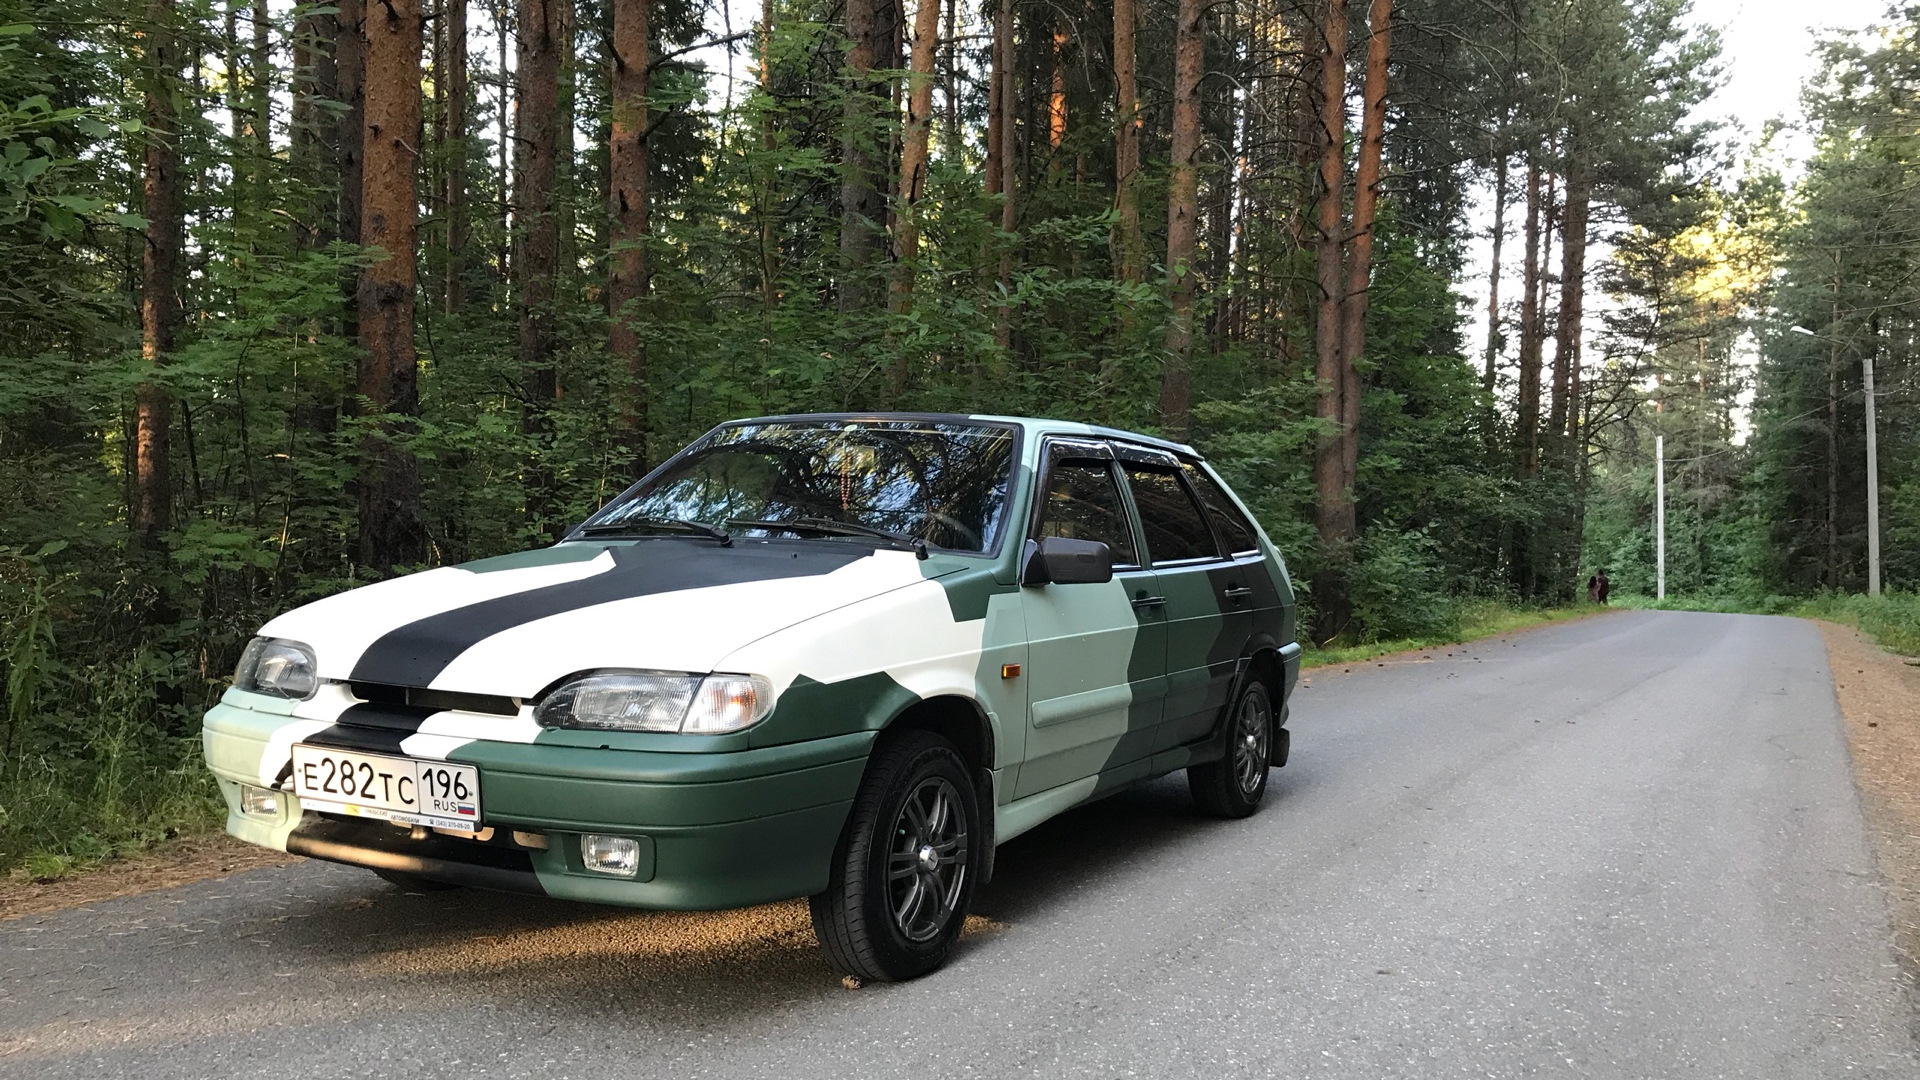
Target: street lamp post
(1873, 471)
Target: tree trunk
(302, 117)
(537, 240)
(1366, 197)
(455, 135)
(159, 281)
(1527, 413)
(259, 100)
(1833, 444)
(1183, 213)
(324, 126)
(1493, 282)
(350, 70)
(236, 111)
(502, 12)
(566, 45)
(1573, 281)
(1334, 517)
(860, 207)
(1130, 253)
(913, 175)
(627, 279)
(913, 156)
(767, 181)
(1057, 94)
(998, 72)
(388, 377)
(1006, 144)
(950, 143)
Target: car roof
(1035, 425)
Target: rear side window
(1083, 503)
(1233, 528)
(1175, 530)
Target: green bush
(1397, 589)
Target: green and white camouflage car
(839, 657)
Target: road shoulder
(181, 862)
(1879, 695)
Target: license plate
(433, 793)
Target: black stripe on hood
(371, 727)
(414, 654)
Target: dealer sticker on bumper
(433, 793)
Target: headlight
(658, 701)
(279, 667)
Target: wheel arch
(963, 722)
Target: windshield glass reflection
(941, 482)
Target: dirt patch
(1880, 699)
(181, 862)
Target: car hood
(513, 625)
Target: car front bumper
(715, 830)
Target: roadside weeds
(179, 862)
(1879, 697)
(1496, 621)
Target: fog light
(616, 855)
(259, 802)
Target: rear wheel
(1233, 786)
(413, 883)
(903, 872)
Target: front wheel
(1234, 786)
(903, 872)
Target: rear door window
(1235, 531)
(1174, 528)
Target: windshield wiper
(830, 527)
(630, 525)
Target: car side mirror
(1056, 560)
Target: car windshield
(943, 483)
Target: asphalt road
(1623, 847)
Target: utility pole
(1660, 517)
(1873, 483)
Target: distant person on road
(1604, 586)
(1593, 589)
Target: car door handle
(1236, 593)
(1149, 601)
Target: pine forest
(300, 295)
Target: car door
(1096, 655)
(1207, 618)
(1247, 581)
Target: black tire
(413, 883)
(1234, 786)
(905, 867)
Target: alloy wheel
(927, 861)
(1252, 729)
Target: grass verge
(1478, 619)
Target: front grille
(423, 698)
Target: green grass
(1893, 619)
(59, 814)
(94, 775)
(1478, 619)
